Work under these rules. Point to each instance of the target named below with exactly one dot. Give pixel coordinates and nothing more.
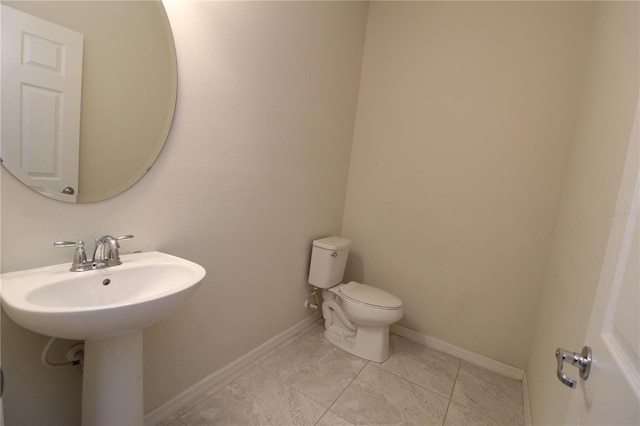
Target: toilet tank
(328, 260)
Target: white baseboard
(458, 352)
(226, 374)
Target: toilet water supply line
(314, 293)
(329, 305)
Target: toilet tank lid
(332, 243)
(370, 295)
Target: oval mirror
(125, 94)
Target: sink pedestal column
(112, 392)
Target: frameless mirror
(127, 101)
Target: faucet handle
(114, 254)
(68, 244)
(116, 246)
(79, 257)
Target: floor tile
(257, 398)
(212, 390)
(377, 397)
(314, 366)
(489, 394)
(423, 366)
(332, 419)
(458, 415)
(297, 382)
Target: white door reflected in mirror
(41, 84)
(129, 87)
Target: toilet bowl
(370, 306)
(357, 316)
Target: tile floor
(308, 381)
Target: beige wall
(254, 169)
(590, 188)
(464, 122)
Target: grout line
(446, 412)
(320, 418)
(288, 342)
(352, 380)
(414, 383)
(346, 387)
(526, 401)
(456, 379)
(295, 390)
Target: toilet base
(371, 343)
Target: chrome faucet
(106, 253)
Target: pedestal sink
(108, 308)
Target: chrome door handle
(582, 360)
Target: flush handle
(581, 360)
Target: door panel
(41, 89)
(611, 394)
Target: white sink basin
(107, 308)
(102, 303)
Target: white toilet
(357, 316)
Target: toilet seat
(369, 296)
